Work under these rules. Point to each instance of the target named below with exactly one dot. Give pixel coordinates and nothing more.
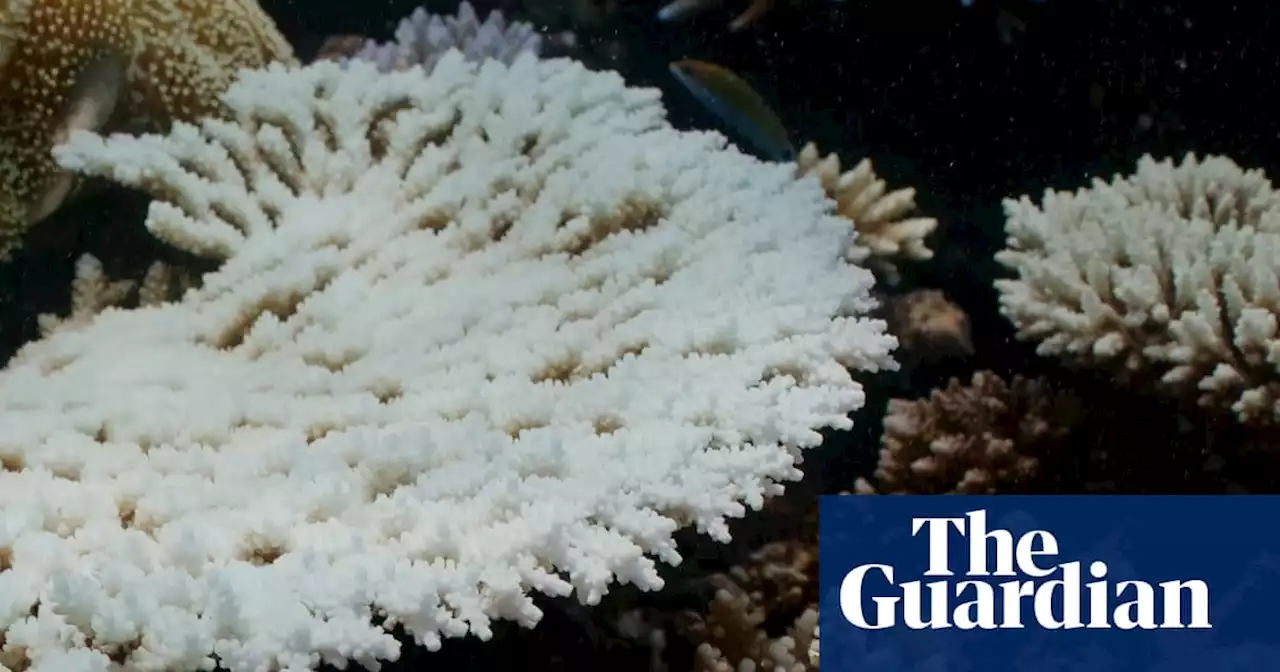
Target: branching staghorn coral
(90, 64)
(731, 637)
(1166, 276)
(423, 38)
(93, 292)
(764, 612)
(476, 334)
(885, 230)
(985, 437)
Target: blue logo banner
(1049, 583)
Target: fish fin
(91, 101)
(51, 198)
(753, 13)
(678, 10)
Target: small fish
(679, 10)
(734, 101)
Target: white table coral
(488, 332)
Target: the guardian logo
(1036, 592)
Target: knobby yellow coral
(86, 64)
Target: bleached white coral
(1170, 273)
(477, 334)
(423, 38)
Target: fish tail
(678, 10)
(753, 12)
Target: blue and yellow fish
(734, 101)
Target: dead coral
(980, 438)
(1164, 279)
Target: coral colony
(144, 63)
(473, 335)
(423, 38)
(482, 325)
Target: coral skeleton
(1167, 276)
(475, 334)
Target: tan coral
(985, 437)
(813, 648)
(881, 217)
(928, 326)
(781, 575)
(59, 60)
(92, 292)
(777, 583)
(730, 638)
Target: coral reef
(560, 378)
(436, 349)
(981, 438)
(1166, 277)
(90, 64)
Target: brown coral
(980, 438)
(782, 576)
(764, 615)
(69, 64)
(731, 636)
(928, 326)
